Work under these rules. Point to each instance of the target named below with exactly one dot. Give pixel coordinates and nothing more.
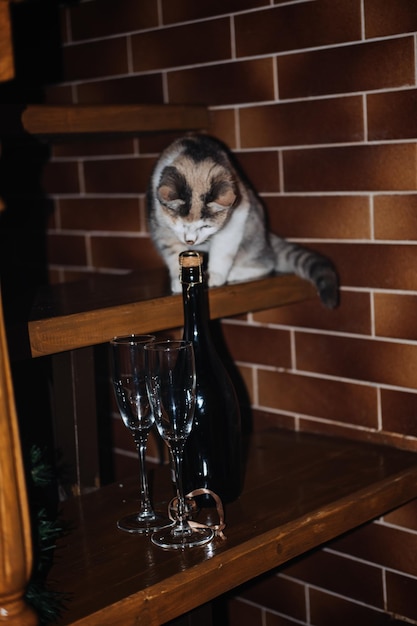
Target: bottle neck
(196, 318)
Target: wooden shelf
(300, 491)
(79, 119)
(86, 313)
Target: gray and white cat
(199, 199)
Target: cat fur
(198, 198)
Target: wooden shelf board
(300, 491)
(75, 315)
(129, 118)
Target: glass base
(174, 539)
(134, 523)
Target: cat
(198, 198)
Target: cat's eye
(217, 208)
(174, 205)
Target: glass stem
(141, 440)
(181, 522)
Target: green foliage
(47, 602)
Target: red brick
(278, 594)
(289, 27)
(389, 547)
(226, 83)
(399, 410)
(390, 17)
(102, 18)
(361, 67)
(328, 610)
(395, 217)
(395, 315)
(61, 177)
(381, 266)
(392, 115)
(118, 175)
(261, 169)
(186, 10)
(145, 89)
(263, 420)
(332, 120)
(389, 167)
(94, 60)
(405, 516)
(321, 217)
(401, 595)
(106, 214)
(222, 125)
(91, 147)
(67, 250)
(353, 314)
(188, 44)
(341, 575)
(358, 359)
(326, 399)
(261, 345)
(243, 614)
(124, 253)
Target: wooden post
(6, 46)
(15, 531)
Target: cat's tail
(293, 258)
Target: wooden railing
(6, 47)
(15, 538)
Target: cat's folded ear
(224, 197)
(168, 196)
(168, 190)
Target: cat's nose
(190, 242)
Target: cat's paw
(327, 284)
(176, 286)
(215, 279)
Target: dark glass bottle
(213, 451)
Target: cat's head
(196, 197)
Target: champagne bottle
(213, 451)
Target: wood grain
(300, 491)
(6, 44)
(16, 543)
(48, 120)
(76, 315)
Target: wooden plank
(6, 44)
(300, 491)
(75, 419)
(86, 314)
(129, 118)
(15, 526)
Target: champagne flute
(128, 376)
(171, 382)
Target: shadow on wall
(25, 209)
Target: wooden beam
(130, 118)
(6, 45)
(15, 530)
(122, 305)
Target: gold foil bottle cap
(191, 258)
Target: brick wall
(319, 100)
